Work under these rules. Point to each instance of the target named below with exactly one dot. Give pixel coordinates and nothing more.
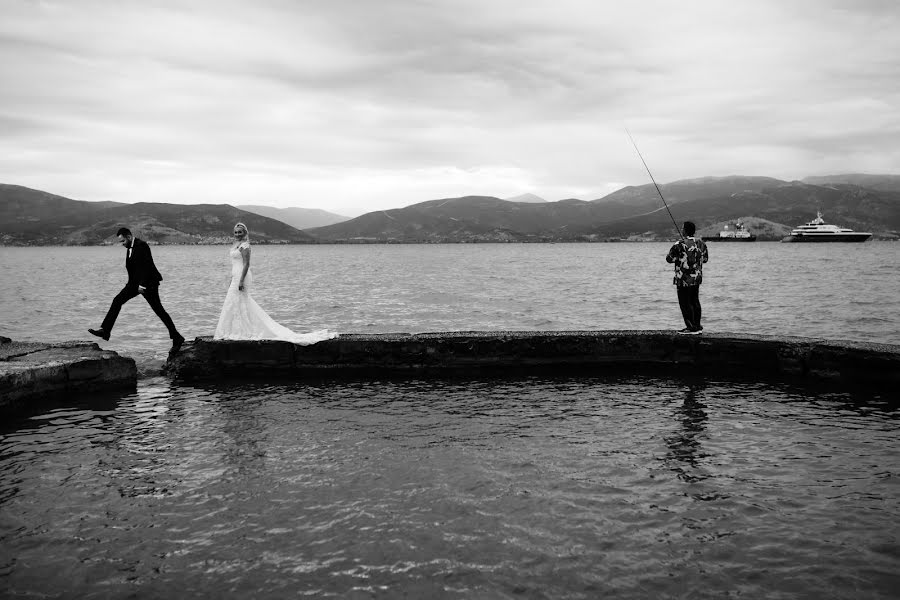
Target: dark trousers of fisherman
(151, 295)
(689, 301)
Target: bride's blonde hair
(246, 232)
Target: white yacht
(818, 231)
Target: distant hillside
(769, 207)
(34, 218)
(884, 183)
(299, 218)
(778, 206)
(644, 198)
(530, 198)
(466, 219)
(789, 204)
(20, 204)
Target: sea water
(834, 291)
(504, 488)
(539, 487)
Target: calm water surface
(837, 291)
(529, 488)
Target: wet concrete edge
(874, 366)
(34, 371)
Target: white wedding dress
(243, 319)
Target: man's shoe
(100, 333)
(685, 330)
(176, 343)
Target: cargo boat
(737, 233)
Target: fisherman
(689, 254)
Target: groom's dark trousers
(141, 271)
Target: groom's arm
(146, 271)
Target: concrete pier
(470, 352)
(32, 371)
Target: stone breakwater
(453, 353)
(32, 371)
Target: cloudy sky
(359, 105)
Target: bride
(241, 317)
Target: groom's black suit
(141, 272)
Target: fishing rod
(658, 191)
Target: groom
(143, 278)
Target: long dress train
(243, 319)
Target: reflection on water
(534, 488)
(685, 444)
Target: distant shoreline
(398, 243)
(766, 207)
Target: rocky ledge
(754, 356)
(34, 370)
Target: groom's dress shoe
(176, 343)
(100, 333)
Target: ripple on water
(572, 487)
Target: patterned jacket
(688, 255)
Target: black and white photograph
(446, 299)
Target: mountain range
(530, 198)
(769, 207)
(299, 218)
(633, 213)
(34, 218)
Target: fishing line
(658, 191)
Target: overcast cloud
(353, 106)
